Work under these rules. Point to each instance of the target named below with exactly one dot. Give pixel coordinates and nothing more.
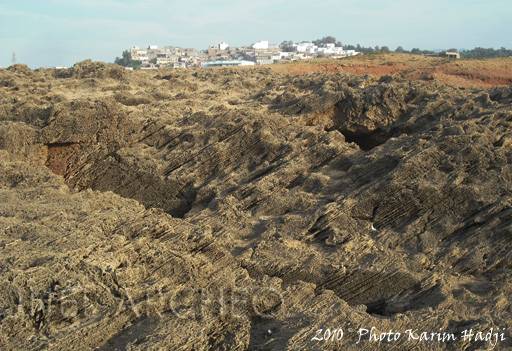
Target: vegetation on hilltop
(127, 61)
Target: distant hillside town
(222, 54)
(264, 53)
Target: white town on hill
(222, 54)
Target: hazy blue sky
(61, 32)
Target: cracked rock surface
(240, 209)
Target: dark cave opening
(367, 140)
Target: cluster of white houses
(260, 53)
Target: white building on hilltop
(223, 45)
(335, 51)
(306, 47)
(330, 50)
(261, 45)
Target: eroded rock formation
(242, 209)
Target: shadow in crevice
(103, 171)
(272, 334)
(367, 140)
(135, 333)
(414, 299)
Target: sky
(49, 33)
